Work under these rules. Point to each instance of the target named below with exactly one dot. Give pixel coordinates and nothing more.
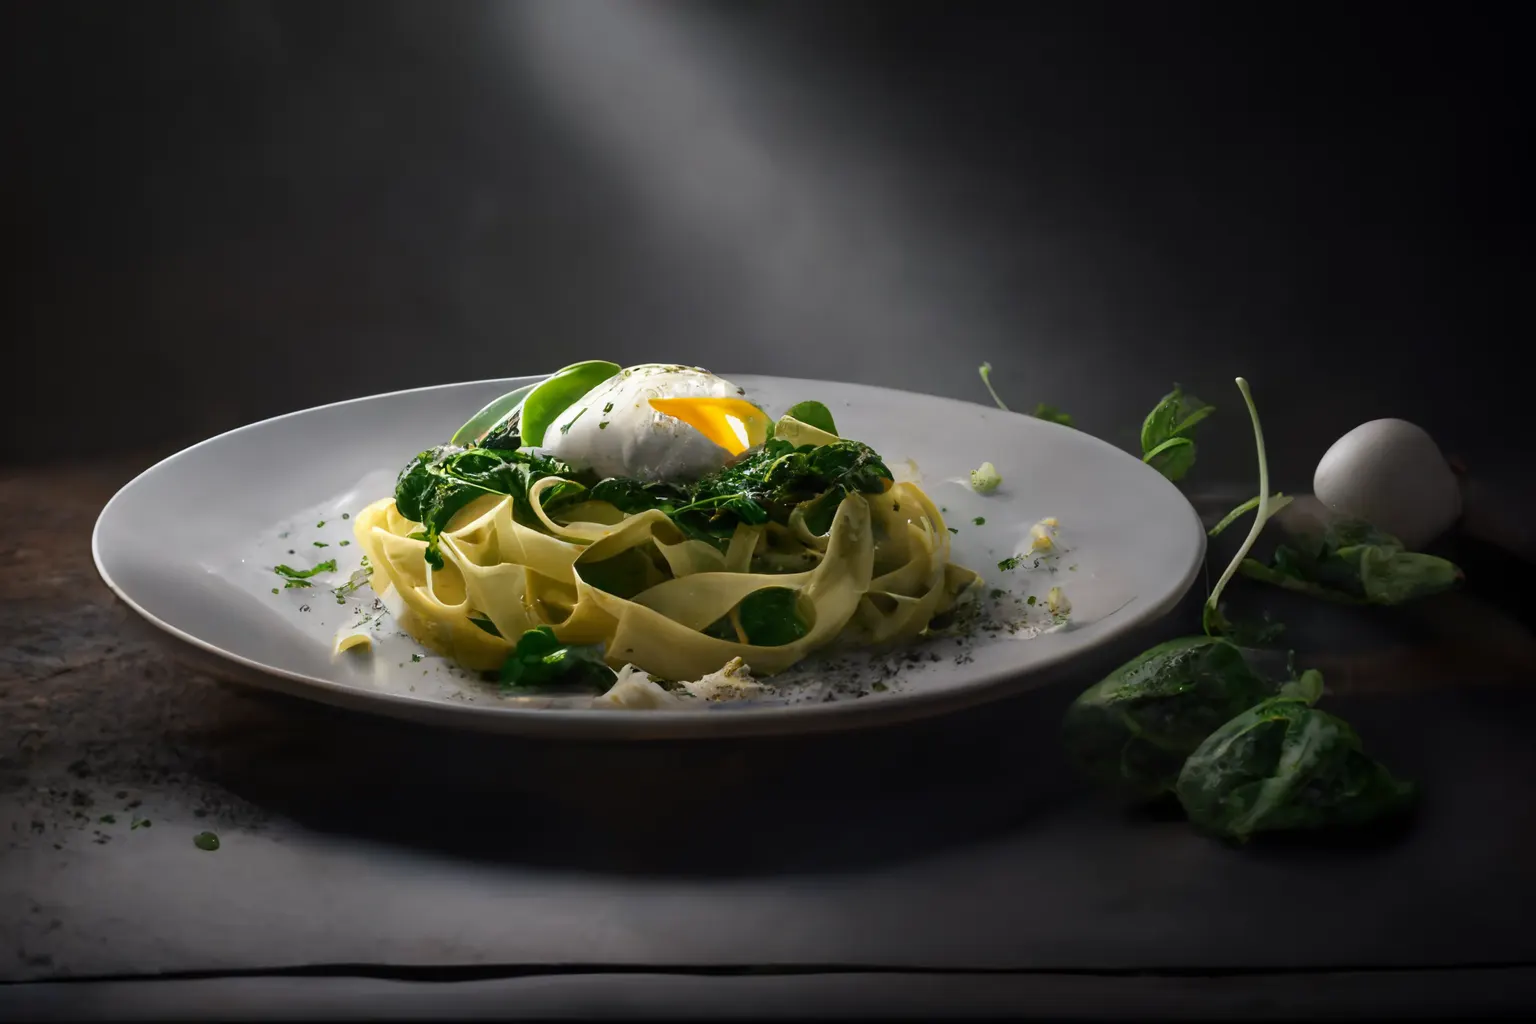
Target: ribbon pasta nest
(796, 544)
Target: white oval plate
(190, 544)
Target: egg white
(613, 430)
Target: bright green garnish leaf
(980, 521)
(985, 478)
(814, 414)
(557, 392)
(540, 661)
(207, 841)
(1011, 563)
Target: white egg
(1390, 473)
(613, 430)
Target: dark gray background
(219, 212)
(215, 212)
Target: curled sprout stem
(986, 378)
(1264, 501)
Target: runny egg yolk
(734, 424)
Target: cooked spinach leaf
(1352, 562)
(540, 661)
(769, 618)
(768, 483)
(440, 481)
(1281, 765)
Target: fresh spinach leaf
(1132, 730)
(1166, 444)
(1283, 765)
(814, 414)
(1173, 458)
(1352, 562)
(540, 661)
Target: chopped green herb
(565, 428)
(953, 530)
(415, 657)
(346, 515)
(320, 524)
(1010, 563)
(140, 823)
(274, 590)
(208, 841)
(878, 686)
(321, 544)
(998, 592)
(300, 577)
(1030, 600)
(108, 819)
(980, 521)
(346, 543)
(603, 425)
(607, 408)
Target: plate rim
(624, 724)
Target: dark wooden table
(948, 866)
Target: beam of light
(811, 228)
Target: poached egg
(657, 422)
